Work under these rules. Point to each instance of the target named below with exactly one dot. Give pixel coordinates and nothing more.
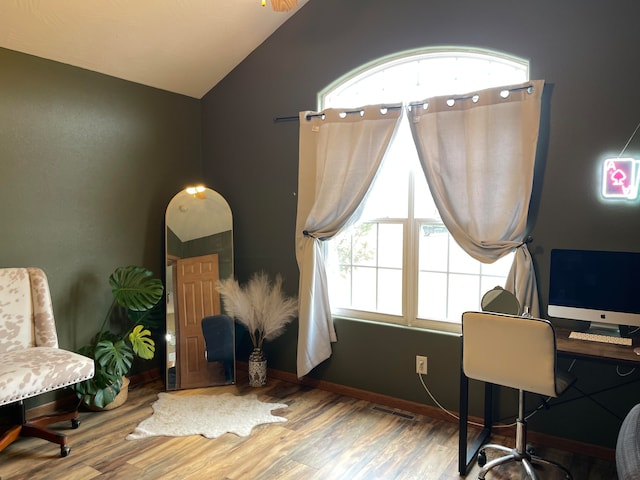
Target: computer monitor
(601, 287)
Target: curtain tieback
(528, 239)
(307, 234)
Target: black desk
(565, 346)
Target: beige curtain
(478, 155)
(340, 154)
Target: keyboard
(594, 337)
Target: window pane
(340, 253)
(499, 267)
(424, 205)
(433, 248)
(340, 287)
(460, 261)
(364, 286)
(432, 294)
(464, 295)
(390, 240)
(390, 291)
(389, 195)
(364, 244)
(362, 262)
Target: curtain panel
(478, 155)
(339, 156)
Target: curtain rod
(295, 118)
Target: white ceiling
(183, 46)
(191, 216)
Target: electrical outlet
(421, 364)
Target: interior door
(198, 297)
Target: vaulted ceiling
(182, 46)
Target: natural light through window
(398, 263)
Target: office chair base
(36, 427)
(513, 455)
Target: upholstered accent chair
(31, 362)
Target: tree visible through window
(399, 263)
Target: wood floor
(327, 437)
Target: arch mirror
(199, 252)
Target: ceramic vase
(257, 368)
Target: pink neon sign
(620, 178)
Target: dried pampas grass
(260, 305)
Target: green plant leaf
(135, 308)
(114, 357)
(142, 343)
(134, 288)
(152, 319)
(99, 390)
(106, 395)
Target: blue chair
(219, 340)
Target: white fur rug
(206, 415)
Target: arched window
(398, 263)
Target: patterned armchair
(31, 362)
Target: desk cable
(476, 424)
(633, 369)
(626, 374)
(618, 372)
(542, 405)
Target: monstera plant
(136, 293)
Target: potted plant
(261, 306)
(135, 294)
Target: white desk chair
(514, 352)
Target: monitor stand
(607, 329)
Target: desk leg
(466, 457)
(488, 405)
(463, 425)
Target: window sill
(433, 326)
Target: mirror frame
(198, 253)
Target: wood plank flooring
(327, 437)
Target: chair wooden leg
(9, 436)
(55, 418)
(29, 430)
(36, 427)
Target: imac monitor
(596, 286)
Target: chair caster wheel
(75, 423)
(530, 449)
(482, 458)
(64, 451)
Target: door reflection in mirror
(199, 252)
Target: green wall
(88, 164)
(585, 50)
